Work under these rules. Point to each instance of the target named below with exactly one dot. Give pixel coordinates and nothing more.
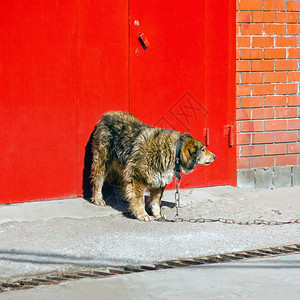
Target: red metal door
(102, 73)
(65, 63)
(182, 76)
(38, 100)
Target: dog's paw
(144, 217)
(99, 202)
(156, 212)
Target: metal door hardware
(143, 40)
(206, 135)
(229, 131)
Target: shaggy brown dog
(143, 157)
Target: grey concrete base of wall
(268, 178)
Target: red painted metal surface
(38, 119)
(103, 75)
(64, 63)
(185, 78)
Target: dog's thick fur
(143, 157)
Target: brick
(252, 126)
(262, 65)
(275, 149)
(243, 17)
(238, 102)
(237, 29)
(243, 139)
(275, 29)
(263, 178)
(294, 148)
(294, 5)
(286, 112)
(294, 53)
(294, 124)
(286, 88)
(272, 125)
(255, 150)
(282, 177)
(243, 114)
(251, 4)
(237, 53)
(251, 53)
(263, 89)
(243, 65)
(256, 77)
(248, 29)
(294, 28)
(275, 101)
(286, 17)
(238, 127)
(286, 65)
(257, 101)
(275, 53)
(275, 77)
(275, 5)
(286, 137)
(243, 90)
(286, 41)
(243, 41)
(294, 100)
(262, 41)
(263, 113)
(294, 77)
(264, 161)
(245, 179)
(243, 163)
(263, 137)
(237, 77)
(286, 160)
(263, 17)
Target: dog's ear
(188, 150)
(189, 146)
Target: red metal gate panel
(64, 63)
(182, 75)
(102, 72)
(38, 100)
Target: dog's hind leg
(155, 201)
(100, 166)
(134, 193)
(98, 177)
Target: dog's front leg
(134, 193)
(155, 201)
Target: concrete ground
(61, 235)
(260, 279)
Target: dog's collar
(177, 159)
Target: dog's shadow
(112, 192)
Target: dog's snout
(214, 157)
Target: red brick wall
(268, 76)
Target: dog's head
(193, 153)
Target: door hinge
(229, 131)
(206, 135)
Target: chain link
(231, 221)
(177, 199)
(220, 220)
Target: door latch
(143, 40)
(229, 131)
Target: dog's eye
(203, 150)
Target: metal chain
(220, 220)
(177, 199)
